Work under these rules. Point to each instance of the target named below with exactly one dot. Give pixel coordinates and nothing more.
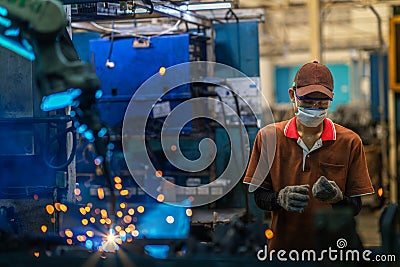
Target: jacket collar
(328, 133)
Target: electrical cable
(109, 63)
(235, 96)
(52, 140)
(246, 196)
(247, 207)
(133, 34)
(229, 14)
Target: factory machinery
(74, 192)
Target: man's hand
(294, 198)
(327, 191)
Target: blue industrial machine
(133, 66)
(24, 129)
(236, 45)
(374, 61)
(33, 155)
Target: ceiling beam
(271, 5)
(187, 16)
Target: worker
(315, 163)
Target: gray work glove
(294, 197)
(327, 191)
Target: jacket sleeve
(351, 202)
(266, 199)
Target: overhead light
(141, 10)
(205, 6)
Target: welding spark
(110, 245)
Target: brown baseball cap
(313, 77)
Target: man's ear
(291, 94)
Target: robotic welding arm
(42, 23)
(36, 29)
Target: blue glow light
(27, 45)
(157, 251)
(161, 229)
(89, 135)
(16, 47)
(99, 94)
(102, 132)
(72, 113)
(59, 100)
(3, 11)
(5, 22)
(89, 244)
(110, 146)
(12, 32)
(75, 92)
(75, 103)
(82, 128)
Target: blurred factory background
(54, 198)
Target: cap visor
(302, 91)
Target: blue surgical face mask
(310, 117)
